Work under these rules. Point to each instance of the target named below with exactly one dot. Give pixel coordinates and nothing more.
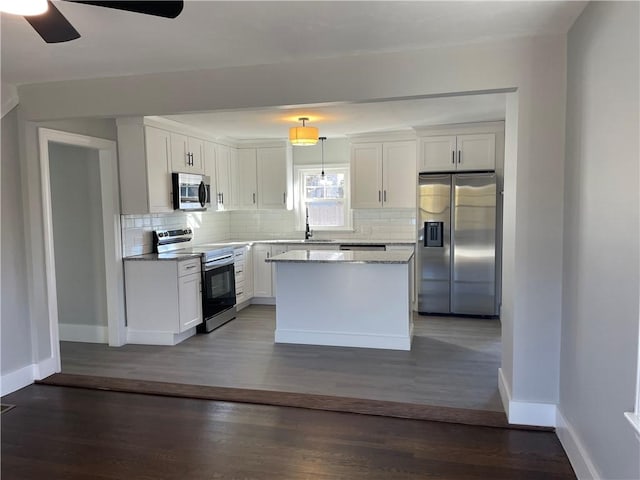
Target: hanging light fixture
(303, 135)
(323, 180)
(24, 7)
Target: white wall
(533, 177)
(601, 277)
(78, 240)
(15, 353)
(336, 150)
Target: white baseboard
(341, 339)
(580, 460)
(16, 380)
(525, 413)
(83, 333)
(25, 376)
(158, 338)
(263, 301)
(44, 368)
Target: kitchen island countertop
(347, 256)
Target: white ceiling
(212, 34)
(349, 118)
(215, 34)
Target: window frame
(298, 186)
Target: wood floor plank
(301, 400)
(453, 362)
(70, 433)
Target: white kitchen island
(344, 298)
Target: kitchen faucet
(307, 232)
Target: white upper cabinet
(144, 154)
(263, 178)
(224, 193)
(458, 153)
(383, 175)
(209, 165)
(187, 154)
(476, 152)
(366, 175)
(438, 154)
(272, 177)
(247, 179)
(399, 176)
(157, 145)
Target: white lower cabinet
(163, 300)
(243, 274)
(263, 272)
(189, 301)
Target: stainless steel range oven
(218, 289)
(218, 276)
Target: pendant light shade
(24, 7)
(303, 135)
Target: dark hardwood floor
(70, 433)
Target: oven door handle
(218, 263)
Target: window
(326, 199)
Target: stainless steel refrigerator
(457, 244)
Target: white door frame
(108, 160)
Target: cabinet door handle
(222, 198)
(254, 198)
(379, 196)
(385, 196)
(190, 267)
(459, 156)
(267, 254)
(453, 156)
(284, 197)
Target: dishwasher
(364, 247)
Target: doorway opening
(83, 252)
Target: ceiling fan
(53, 27)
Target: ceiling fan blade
(167, 9)
(52, 26)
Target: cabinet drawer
(239, 289)
(238, 268)
(187, 267)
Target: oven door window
(219, 290)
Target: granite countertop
(170, 256)
(177, 255)
(239, 243)
(345, 256)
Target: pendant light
(303, 136)
(322, 178)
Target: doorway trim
(109, 192)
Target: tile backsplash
(374, 224)
(207, 227)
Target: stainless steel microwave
(191, 191)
